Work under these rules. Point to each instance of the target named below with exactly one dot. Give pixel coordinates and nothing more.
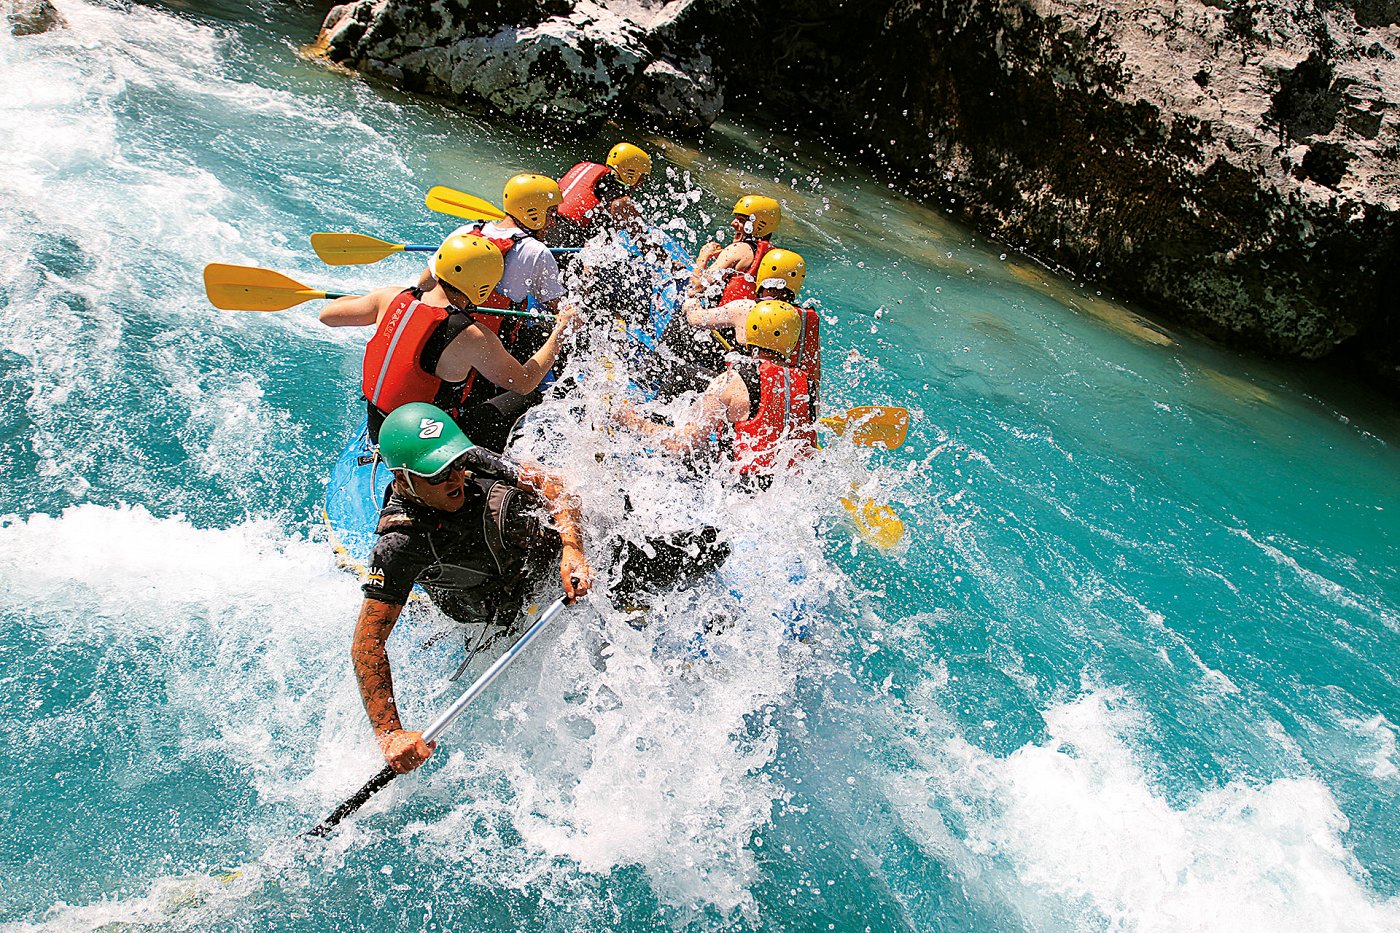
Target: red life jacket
(577, 197)
(745, 284)
(807, 355)
(783, 416)
(392, 374)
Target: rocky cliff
(547, 63)
(1233, 164)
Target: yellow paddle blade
(446, 200)
(248, 288)
(876, 523)
(352, 249)
(882, 425)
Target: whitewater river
(1134, 669)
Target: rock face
(1233, 164)
(31, 17)
(550, 64)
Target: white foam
(1380, 760)
(1076, 830)
(108, 211)
(609, 747)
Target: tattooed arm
(404, 750)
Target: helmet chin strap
(412, 489)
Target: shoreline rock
(1222, 164)
(33, 17)
(1231, 165)
(548, 64)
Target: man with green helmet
(463, 523)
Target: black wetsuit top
(477, 563)
(469, 561)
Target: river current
(1133, 669)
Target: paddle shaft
(445, 719)
(424, 248)
(506, 311)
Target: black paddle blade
(361, 796)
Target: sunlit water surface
(1133, 669)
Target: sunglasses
(443, 475)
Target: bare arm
(733, 257)
(724, 401)
(626, 214)
(358, 310)
(574, 570)
(730, 314)
(477, 348)
(403, 750)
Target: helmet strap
(407, 478)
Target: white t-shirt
(531, 269)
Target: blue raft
(358, 482)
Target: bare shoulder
(471, 348)
(383, 297)
(735, 255)
(729, 386)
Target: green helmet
(421, 439)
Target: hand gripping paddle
(444, 720)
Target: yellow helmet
(528, 199)
(470, 264)
(629, 162)
(764, 212)
(781, 268)
(774, 325)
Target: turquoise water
(1134, 668)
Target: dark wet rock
(550, 64)
(32, 17)
(685, 96)
(1234, 165)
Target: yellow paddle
(876, 523)
(873, 425)
(248, 288)
(446, 200)
(356, 249)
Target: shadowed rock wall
(1234, 165)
